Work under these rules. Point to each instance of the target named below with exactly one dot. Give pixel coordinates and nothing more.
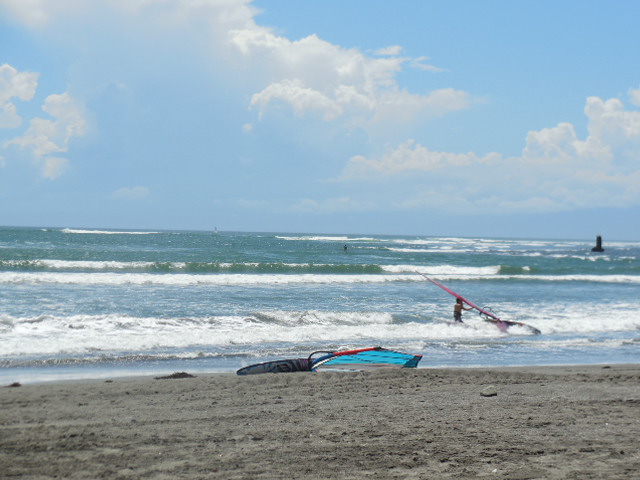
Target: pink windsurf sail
(488, 316)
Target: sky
(494, 118)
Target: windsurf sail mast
(487, 315)
(448, 290)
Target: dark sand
(578, 422)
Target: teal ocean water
(95, 303)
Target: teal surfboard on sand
(349, 360)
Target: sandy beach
(579, 422)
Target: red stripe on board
(354, 352)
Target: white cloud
(53, 167)
(634, 95)
(391, 50)
(408, 157)
(311, 74)
(219, 15)
(45, 137)
(611, 123)
(9, 117)
(556, 171)
(555, 145)
(302, 99)
(31, 12)
(379, 105)
(419, 64)
(14, 84)
(402, 106)
(135, 193)
(49, 136)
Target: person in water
(457, 310)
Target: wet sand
(578, 422)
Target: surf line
(487, 316)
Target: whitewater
(91, 303)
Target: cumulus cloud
(408, 157)
(614, 126)
(634, 95)
(46, 136)
(311, 74)
(31, 12)
(556, 170)
(299, 97)
(53, 167)
(420, 64)
(14, 84)
(391, 50)
(41, 13)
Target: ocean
(89, 303)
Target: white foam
(327, 238)
(444, 270)
(93, 336)
(86, 334)
(444, 273)
(184, 279)
(104, 232)
(582, 318)
(410, 250)
(98, 265)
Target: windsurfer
(457, 310)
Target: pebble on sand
(489, 391)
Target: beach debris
(176, 375)
(489, 391)
(14, 384)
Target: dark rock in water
(176, 375)
(598, 247)
(15, 384)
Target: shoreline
(568, 421)
(91, 372)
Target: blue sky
(493, 118)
